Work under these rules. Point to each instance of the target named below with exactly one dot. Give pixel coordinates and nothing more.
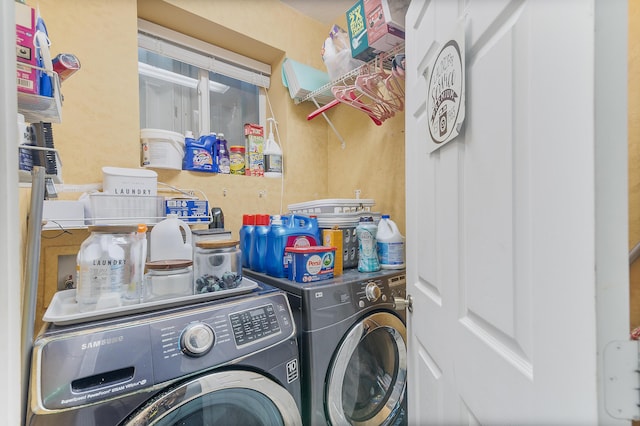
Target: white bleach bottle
(170, 239)
(390, 244)
(272, 154)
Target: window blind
(203, 55)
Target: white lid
(161, 134)
(121, 171)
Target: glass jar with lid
(107, 263)
(217, 265)
(168, 279)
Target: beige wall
(100, 122)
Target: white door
(517, 229)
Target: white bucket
(162, 149)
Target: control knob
(197, 339)
(372, 291)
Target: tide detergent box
(27, 74)
(254, 150)
(309, 264)
(357, 29)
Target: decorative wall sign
(446, 92)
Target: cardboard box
(254, 148)
(334, 238)
(385, 22)
(27, 75)
(357, 29)
(188, 210)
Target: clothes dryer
(224, 362)
(353, 346)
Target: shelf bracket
(342, 142)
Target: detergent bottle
(258, 250)
(272, 155)
(246, 232)
(166, 241)
(289, 231)
(390, 244)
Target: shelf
(349, 77)
(37, 108)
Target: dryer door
(367, 380)
(223, 398)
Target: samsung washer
(353, 346)
(226, 362)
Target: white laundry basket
(162, 149)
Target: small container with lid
(236, 159)
(168, 279)
(217, 265)
(106, 265)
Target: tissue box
(27, 74)
(385, 22)
(188, 210)
(357, 29)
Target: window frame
(207, 58)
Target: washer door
(367, 380)
(222, 398)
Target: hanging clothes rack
(375, 88)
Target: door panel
(501, 222)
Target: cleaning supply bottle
(167, 241)
(258, 250)
(293, 230)
(197, 153)
(390, 244)
(246, 232)
(367, 256)
(222, 155)
(272, 154)
(276, 243)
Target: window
(187, 84)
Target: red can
(65, 64)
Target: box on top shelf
(385, 23)
(357, 29)
(123, 181)
(254, 149)
(27, 75)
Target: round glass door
(223, 398)
(367, 381)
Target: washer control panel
(254, 324)
(215, 336)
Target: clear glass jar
(168, 279)
(217, 265)
(106, 262)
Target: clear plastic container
(217, 266)
(106, 263)
(168, 279)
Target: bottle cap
(385, 216)
(262, 219)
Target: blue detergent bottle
(258, 250)
(197, 153)
(246, 232)
(289, 231)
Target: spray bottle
(272, 154)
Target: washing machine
(232, 361)
(353, 346)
